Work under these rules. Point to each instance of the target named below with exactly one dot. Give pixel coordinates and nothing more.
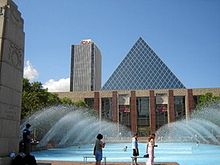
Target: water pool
(182, 153)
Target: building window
(107, 108)
(161, 109)
(124, 111)
(179, 107)
(143, 123)
(161, 115)
(196, 100)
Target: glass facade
(179, 107)
(142, 69)
(123, 103)
(106, 108)
(196, 100)
(124, 110)
(143, 120)
(125, 117)
(161, 115)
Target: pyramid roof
(142, 69)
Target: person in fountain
(125, 149)
(99, 144)
(135, 148)
(27, 139)
(150, 149)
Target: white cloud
(29, 71)
(62, 85)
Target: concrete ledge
(92, 163)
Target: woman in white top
(150, 150)
(135, 148)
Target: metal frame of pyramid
(142, 69)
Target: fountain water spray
(69, 125)
(202, 127)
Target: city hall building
(142, 93)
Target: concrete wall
(80, 95)
(11, 74)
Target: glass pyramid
(142, 69)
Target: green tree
(81, 103)
(35, 97)
(207, 100)
(67, 101)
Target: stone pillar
(152, 113)
(189, 103)
(171, 113)
(133, 112)
(97, 102)
(115, 115)
(11, 75)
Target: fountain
(194, 141)
(69, 125)
(202, 127)
(182, 153)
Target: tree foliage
(35, 97)
(68, 101)
(207, 100)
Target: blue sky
(185, 34)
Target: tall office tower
(85, 72)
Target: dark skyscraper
(85, 72)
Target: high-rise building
(85, 72)
(142, 94)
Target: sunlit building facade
(142, 111)
(142, 94)
(85, 73)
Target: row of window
(143, 118)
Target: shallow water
(182, 153)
